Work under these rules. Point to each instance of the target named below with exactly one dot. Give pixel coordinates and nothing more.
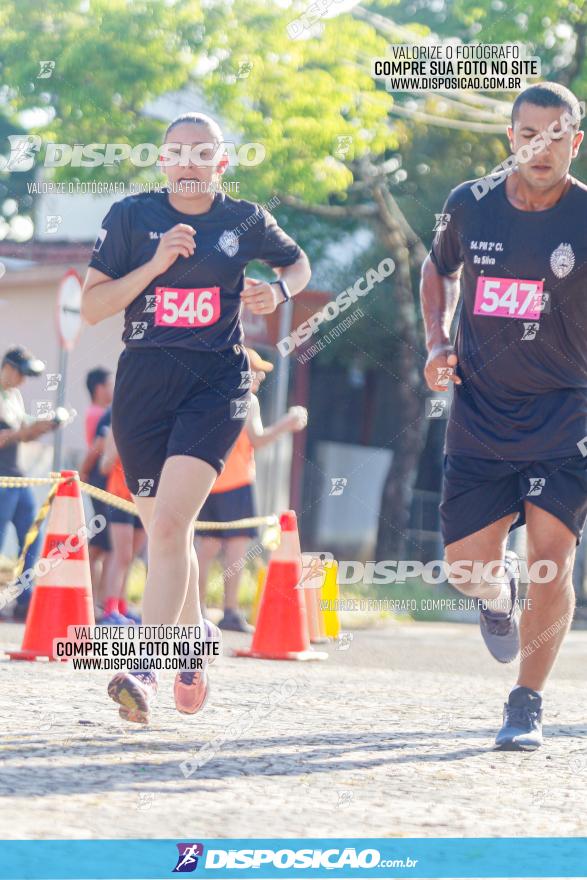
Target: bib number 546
(187, 307)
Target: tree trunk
(409, 441)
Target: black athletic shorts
(175, 401)
(225, 506)
(478, 491)
(122, 517)
(102, 539)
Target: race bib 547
(508, 298)
(187, 306)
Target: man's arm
(439, 296)
(26, 433)
(109, 453)
(91, 459)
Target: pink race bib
(508, 298)
(187, 306)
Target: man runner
(516, 440)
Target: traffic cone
(62, 596)
(331, 599)
(261, 574)
(281, 632)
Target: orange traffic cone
(62, 596)
(281, 632)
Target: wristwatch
(284, 289)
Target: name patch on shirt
(508, 298)
(187, 306)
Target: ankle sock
(518, 686)
(111, 606)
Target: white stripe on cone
(65, 573)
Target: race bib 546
(187, 306)
(508, 298)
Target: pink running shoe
(134, 691)
(190, 689)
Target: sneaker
(114, 619)
(131, 617)
(190, 689)
(134, 691)
(522, 722)
(235, 621)
(501, 632)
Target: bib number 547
(187, 307)
(508, 298)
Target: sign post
(69, 322)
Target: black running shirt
(196, 303)
(522, 335)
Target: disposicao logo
(187, 860)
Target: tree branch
(332, 212)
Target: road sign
(69, 298)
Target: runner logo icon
(228, 241)
(187, 860)
(562, 260)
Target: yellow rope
(34, 530)
(271, 521)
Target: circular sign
(69, 299)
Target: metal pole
(279, 403)
(58, 433)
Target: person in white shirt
(17, 505)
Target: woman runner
(174, 260)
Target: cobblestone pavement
(390, 737)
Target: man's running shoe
(114, 619)
(134, 691)
(190, 689)
(522, 722)
(501, 631)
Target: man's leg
(550, 606)
(235, 551)
(485, 546)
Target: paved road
(390, 737)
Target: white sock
(502, 603)
(518, 686)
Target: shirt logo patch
(228, 241)
(562, 260)
(100, 240)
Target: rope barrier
(271, 522)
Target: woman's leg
(184, 485)
(206, 550)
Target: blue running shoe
(501, 632)
(113, 619)
(131, 617)
(522, 722)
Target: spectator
(17, 505)
(233, 497)
(127, 537)
(100, 388)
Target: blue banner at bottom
(293, 858)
